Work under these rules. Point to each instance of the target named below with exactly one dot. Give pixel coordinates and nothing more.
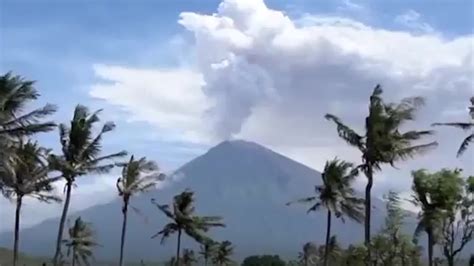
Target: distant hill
(245, 183)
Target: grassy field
(6, 258)
(25, 260)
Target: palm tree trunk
(450, 261)
(124, 228)
(17, 229)
(62, 223)
(73, 256)
(328, 235)
(179, 248)
(368, 204)
(430, 246)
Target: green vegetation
(337, 196)
(383, 142)
(445, 198)
(80, 243)
(265, 260)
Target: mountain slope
(245, 183)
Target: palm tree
(383, 142)
(137, 176)
(430, 212)
(464, 126)
(333, 250)
(27, 175)
(15, 123)
(188, 257)
(80, 243)
(171, 262)
(184, 220)
(309, 254)
(336, 196)
(223, 253)
(80, 156)
(207, 251)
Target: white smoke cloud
(270, 78)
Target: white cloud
(352, 6)
(269, 78)
(412, 20)
(168, 98)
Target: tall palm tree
(184, 220)
(336, 196)
(383, 142)
(464, 126)
(207, 251)
(80, 156)
(223, 253)
(188, 257)
(27, 175)
(80, 243)
(429, 215)
(137, 176)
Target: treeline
(445, 198)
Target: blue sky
(57, 42)
(65, 45)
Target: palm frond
(410, 152)
(465, 144)
(164, 208)
(303, 200)
(461, 125)
(345, 132)
(112, 156)
(168, 230)
(314, 208)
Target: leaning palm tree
(80, 243)
(223, 253)
(26, 176)
(383, 141)
(80, 156)
(336, 196)
(188, 257)
(464, 126)
(184, 220)
(207, 251)
(137, 176)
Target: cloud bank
(261, 75)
